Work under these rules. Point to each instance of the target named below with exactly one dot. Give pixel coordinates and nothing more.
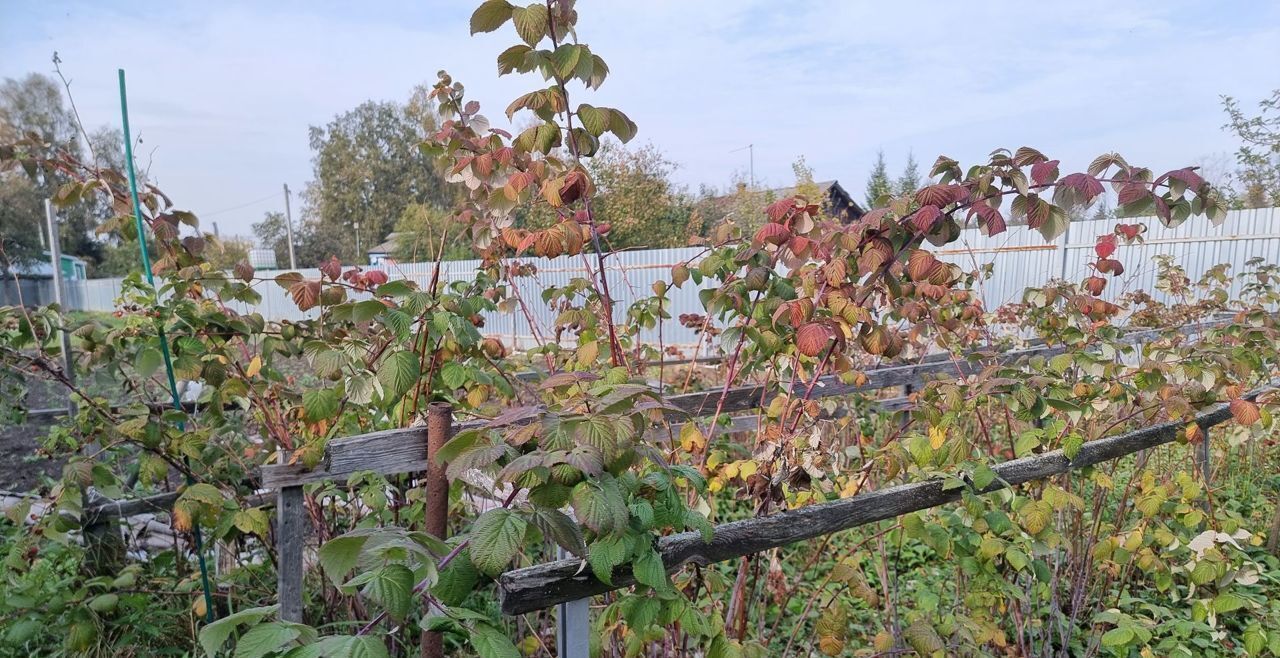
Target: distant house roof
(385, 247)
(837, 201)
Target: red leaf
(1106, 246)
(1086, 186)
(1043, 173)
(813, 338)
(306, 294)
(1188, 176)
(780, 209)
(925, 218)
(989, 219)
(1027, 156)
(376, 277)
(332, 268)
(1162, 208)
(1110, 266)
(1037, 211)
(243, 271)
(774, 234)
(941, 195)
(1132, 192)
(1129, 232)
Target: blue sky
(223, 93)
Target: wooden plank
(404, 450)
(545, 585)
(291, 524)
(126, 508)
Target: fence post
(290, 535)
(439, 425)
(573, 624)
(1203, 452)
(104, 545)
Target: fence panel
(1020, 257)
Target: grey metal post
(573, 625)
(288, 227)
(1066, 242)
(55, 251)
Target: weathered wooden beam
(125, 508)
(404, 450)
(545, 585)
(291, 535)
(158, 503)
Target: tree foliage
(367, 170)
(1258, 157)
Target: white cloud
(225, 93)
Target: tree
(367, 170)
(1258, 157)
(34, 105)
(20, 240)
(878, 183)
(636, 198)
(272, 234)
(422, 229)
(909, 181)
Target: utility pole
(55, 255)
(751, 153)
(288, 228)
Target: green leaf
(1027, 442)
(921, 636)
(343, 646)
(594, 119)
(561, 529)
(621, 126)
(327, 363)
(214, 635)
(531, 22)
(457, 580)
(490, 642)
(490, 15)
(398, 322)
(1055, 223)
(1117, 637)
(367, 310)
(565, 58)
(362, 387)
(1228, 602)
(1071, 445)
(454, 374)
(649, 570)
(266, 638)
(319, 403)
(513, 59)
(398, 373)
(339, 555)
(607, 553)
(495, 538)
(641, 611)
(392, 588)
(599, 505)
(148, 361)
(104, 602)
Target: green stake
(164, 342)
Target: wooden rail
(404, 450)
(545, 585)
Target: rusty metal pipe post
(439, 425)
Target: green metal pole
(164, 341)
